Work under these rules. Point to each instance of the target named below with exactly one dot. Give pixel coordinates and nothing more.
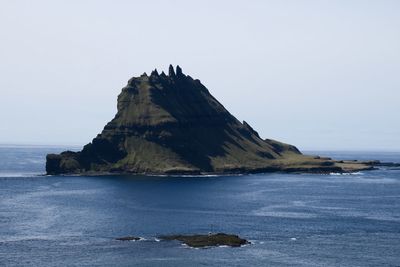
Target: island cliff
(171, 124)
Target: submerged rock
(128, 238)
(173, 125)
(210, 240)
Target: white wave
(286, 214)
(18, 174)
(280, 211)
(345, 173)
(195, 175)
(35, 161)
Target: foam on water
(18, 174)
(286, 214)
(345, 173)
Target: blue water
(291, 219)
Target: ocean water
(290, 219)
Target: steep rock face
(172, 124)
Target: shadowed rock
(173, 125)
(171, 71)
(210, 240)
(128, 238)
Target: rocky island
(209, 240)
(171, 124)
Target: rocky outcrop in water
(210, 240)
(171, 124)
(128, 238)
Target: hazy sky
(317, 74)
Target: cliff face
(172, 124)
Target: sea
(290, 219)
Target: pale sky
(316, 74)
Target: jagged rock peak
(154, 73)
(171, 71)
(178, 71)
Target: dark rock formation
(173, 125)
(378, 163)
(210, 240)
(128, 238)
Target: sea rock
(173, 125)
(128, 238)
(210, 240)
